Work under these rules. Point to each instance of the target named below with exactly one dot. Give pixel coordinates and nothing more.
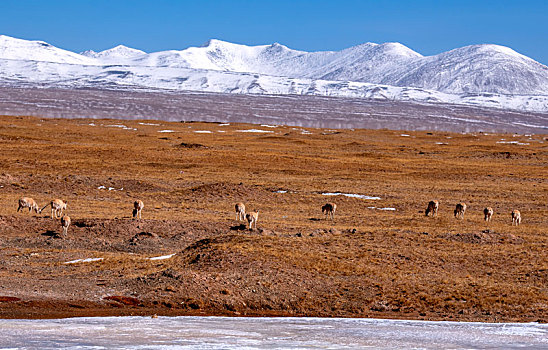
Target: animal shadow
(240, 227)
(52, 234)
(314, 219)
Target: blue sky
(426, 26)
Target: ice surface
(266, 333)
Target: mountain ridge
(454, 75)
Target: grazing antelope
(516, 217)
(252, 218)
(329, 210)
(240, 211)
(65, 222)
(138, 205)
(57, 207)
(488, 213)
(27, 202)
(460, 209)
(432, 208)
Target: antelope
(57, 207)
(488, 213)
(460, 209)
(65, 223)
(252, 218)
(329, 210)
(27, 202)
(516, 217)
(432, 208)
(138, 205)
(240, 211)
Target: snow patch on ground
(163, 257)
(123, 127)
(514, 142)
(83, 260)
(255, 130)
(102, 187)
(351, 195)
(150, 124)
(387, 208)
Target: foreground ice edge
(265, 332)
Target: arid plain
(377, 258)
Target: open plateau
(379, 257)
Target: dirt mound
(191, 145)
(483, 237)
(211, 252)
(106, 235)
(123, 300)
(7, 179)
(507, 155)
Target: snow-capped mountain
(490, 75)
(119, 52)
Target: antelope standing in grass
(516, 217)
(432, 208)
(329, 210)
(138, 205)
(252, 218)
(240, 211)
(460, 209)
(27, 202)
(488, 214)
(57, 207)
(65, 223)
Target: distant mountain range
(482, 75)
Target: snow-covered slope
(19, 49)
(474, 69)
(485, 75)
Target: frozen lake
(295, 110)
(266, 333)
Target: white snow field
(480, 75)
(266, 333)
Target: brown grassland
(367, 262)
